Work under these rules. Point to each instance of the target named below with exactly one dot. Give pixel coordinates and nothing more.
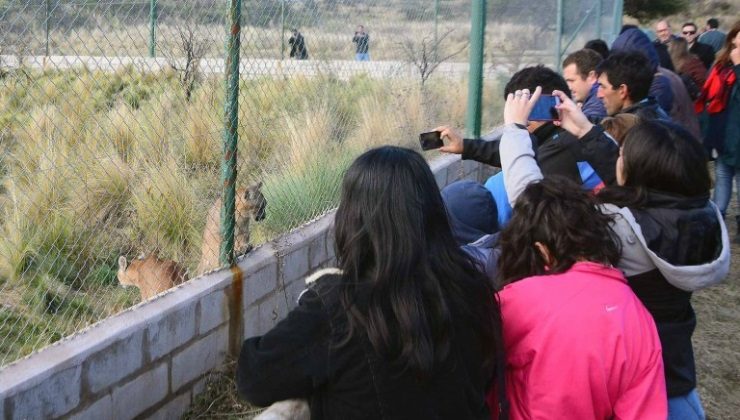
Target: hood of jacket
(471, 211)
(687, 240)
(636, 40)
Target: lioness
(151, 275)
(249, 203)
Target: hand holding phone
(545, 109)
(430, 140)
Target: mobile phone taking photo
(545, 109)
(430, 140)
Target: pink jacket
(580, 345)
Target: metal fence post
(46, 28)
(152, 26)
(599, 11)
(282, 29)
(559, 36)
(230, 136)
(617, 25)
(475, 72)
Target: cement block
(295, 264)
(171, 331)
(199, 358)
(441, 177)
(173, 409)
(454, 171)
(108, 366)
(251, 324)
(100, 409)
(54, 397)
(330, 243)
(199, 387)
(317, 254)
(259, 284)
(141, 393)
(214, 311)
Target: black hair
(629, 68)
(713, 23)
(585, 60)
(598, 45)
(659, 156)
(689, 24)
(559, 214)
(531, 77)
(395, 246)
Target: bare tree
(187, 64)
(425, 54)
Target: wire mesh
(112, 115)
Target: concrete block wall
(151, 360)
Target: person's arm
(475, 149)
(290, 359)
(517, 155)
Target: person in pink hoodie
(579, 343)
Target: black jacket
(683, 232)
(647, 109)
(704, 52)
(557, 152)
(301, 358)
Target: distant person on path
(297, 46)
(703, 51)
(362, 41)
(712, 35)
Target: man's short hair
(629, 68)
(689, 24)
(598, 45)
(585, 60)
(531, 77)
(713, 23)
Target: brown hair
(679, 51)
(618, 125)
(723, 57)
(585, 60)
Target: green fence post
(282, 29)
(559, 36)
(617, 26)
(152, 26)
(599, 11)
(475, 73)
(230, 137)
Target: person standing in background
(713, 36)
(298, 46)
(705, 52)
(362, 41)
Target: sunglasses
(689, 32)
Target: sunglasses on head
(689, 32)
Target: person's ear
(592, 77)
(624, 92)
(545, 253)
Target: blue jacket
(636, 40)
(593, 107)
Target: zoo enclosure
(113, 117)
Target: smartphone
(544, 109)
(431, 140)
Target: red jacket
(580, 345)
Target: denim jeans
(723, 175)
(686, 407)
(362, 56)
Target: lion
(250, 203)
(151, 275)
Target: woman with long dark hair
(406, 327)
(672, 237)
(720, 99)
(578, 342)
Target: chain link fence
(112, 117)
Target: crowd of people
(560, 288)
